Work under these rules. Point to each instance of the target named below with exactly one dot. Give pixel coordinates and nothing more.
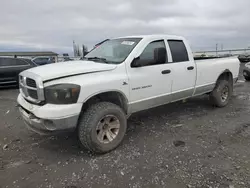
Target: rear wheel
(102, 127)
(222, 93)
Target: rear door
(22, 65)
(7, 71)
(10, 69)
(183, 70)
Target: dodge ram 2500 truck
(122, 76)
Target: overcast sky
(54, 24)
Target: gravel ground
(181, 145)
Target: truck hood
(71, 68)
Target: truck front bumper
(49, 119)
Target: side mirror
(160, 55)
(136, 62)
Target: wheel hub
(107, 129)
(224, 94)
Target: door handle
(190, 68)
(166, 71)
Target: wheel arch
(226, 75)
(114, 96)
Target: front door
(150, 84)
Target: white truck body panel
(53, 71)
(51, 111)
(142, 87)
(209, 70)
(105, 81)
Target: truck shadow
(193, 107)
(68, 144)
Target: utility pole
(216, 49)
(74, 48)
(221, 46)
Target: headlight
(62, 93)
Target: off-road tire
(247, 78)
(216, 94)
(88, 122)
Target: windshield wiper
(97, 58)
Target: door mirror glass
(160, 55)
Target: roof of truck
(154, 36)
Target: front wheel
(102, 127)
(247, 78)
(222, 93)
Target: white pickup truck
(122, 76)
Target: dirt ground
(181, 145)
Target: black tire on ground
(218, 97)
(247, 78)
(88, 123)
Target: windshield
(113, 51)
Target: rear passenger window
(20, 62)
(178, 50)
(5, 62)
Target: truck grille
(31, 89)
(30, 82)
(33, 94)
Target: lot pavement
(185, 144)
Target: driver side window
(147, 56)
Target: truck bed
(204, 58)
(209, 69)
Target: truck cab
(155, 75)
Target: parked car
(122, 76)
(246, 71)
(10, 68)
(244, 58)
(43, 60)
(67, 59)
